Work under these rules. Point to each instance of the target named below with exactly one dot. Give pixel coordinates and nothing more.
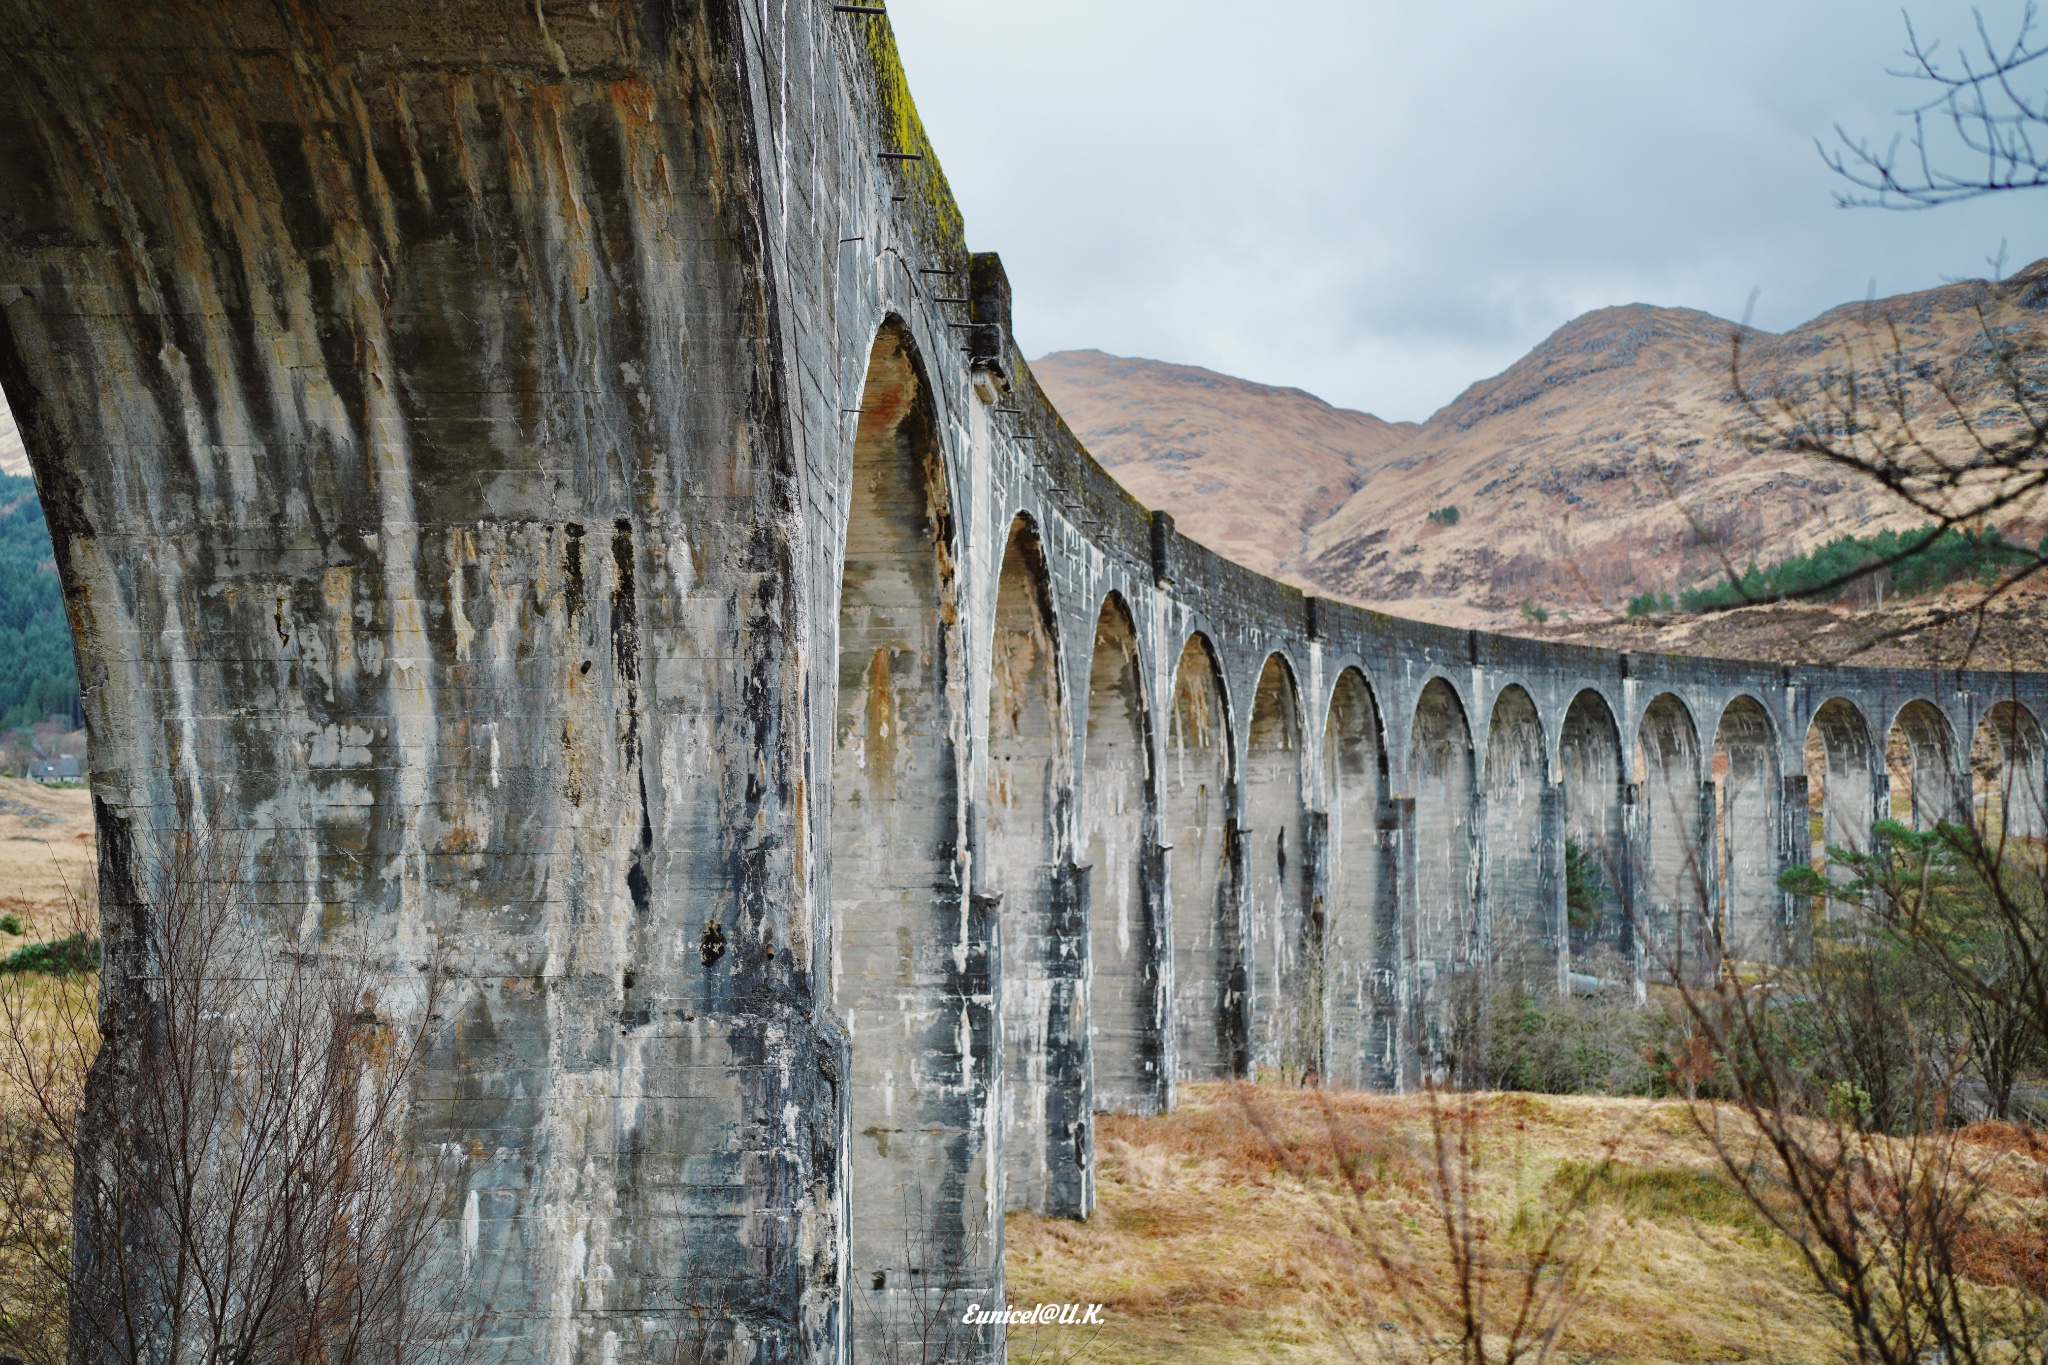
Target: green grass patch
(1659, 1194)
(73, 955)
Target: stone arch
(1440, 767)
(1920, 763)
(1590, 771)
(1286, 950)
(1522, 920)
(2006, 758)
(1841, 787)
(1024, 872)
(897, 898)
(1123, 946)
(1361, 936)
(1207, 983)
(1748, 800)
(1673, 870)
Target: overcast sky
(1384, 202)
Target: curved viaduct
(552, 480)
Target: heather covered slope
(1616, 458)
(1612, 459)
(1209, 1248)
(1246, 469)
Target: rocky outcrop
(1633, 450)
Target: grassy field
(46, 863)
(46, 856)
(1208, 1246)
(1224, 1233)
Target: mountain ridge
(1171, 435)
(1628, 452)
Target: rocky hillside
(1246, 469)
(1628, 452)
(1632, 451)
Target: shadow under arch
(1596, 869)
(919, 1195)
(1522, 914)
(1841, 786)
(1027, 874)
(1673, 814)
(1361, 933)
(1755, 918)
(1120, 839)
(2006, 757)
(1920, 768)
(1196, 798)
(1287, 1023)
(1446, 928)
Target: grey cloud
(1382, 203)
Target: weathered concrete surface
(1124, 957)
(555, 480)
(407, 392)
(1208, 986)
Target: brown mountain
(1246, 469)
(1631, 451)
(1618, 456)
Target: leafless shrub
(49, 1034)
(1466, 1286)
(1962, 450)
(1302, 1011)
(1976, 110)
(230, 1124)
(918, 1323)
(1886, 1223)
(1834, 1080)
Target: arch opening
(1361, 950)
(1024, 853)
(2007, 754)
(1123, 941)
(1522, 920)
(1447, 945)
(1748, 840)
(1841, 788)
(1920, 768)
(1207, 1019)
(1286, 948)
(1673, 810)
(918, 1192)
(1596, 866)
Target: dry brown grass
(1207, 1249)
(46, 1030)
(48, 1035)
(46, 855)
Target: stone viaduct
(552, 479)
